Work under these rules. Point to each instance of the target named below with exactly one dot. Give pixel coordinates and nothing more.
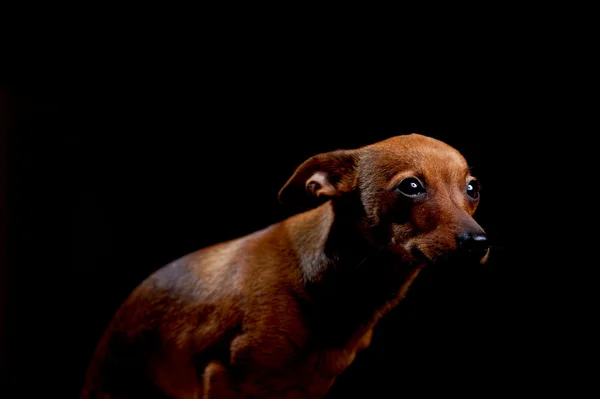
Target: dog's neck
(309, 233)
(352, 281)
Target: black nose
(473, 245)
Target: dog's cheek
(401, 233)
(397, 209)
(433, 245)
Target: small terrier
(280, 313)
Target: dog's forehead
(414, 152)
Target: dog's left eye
(411, 187)
(473, 189)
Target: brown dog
(281, 312)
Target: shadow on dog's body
(281, 312)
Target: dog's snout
(473, 245)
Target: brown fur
(280, 313)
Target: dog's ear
(321, 177)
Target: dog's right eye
(411, 187)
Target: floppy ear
(321, 177)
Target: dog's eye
(473, 189)
(411, 187)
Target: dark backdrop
(116, 166)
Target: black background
(122, 158)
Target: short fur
(280, 313)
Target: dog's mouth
(447, 257)
(422, 258)
(419, 255)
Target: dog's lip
(422, 259)
(412, 255)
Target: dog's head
(416, 193)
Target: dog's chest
(323, 366)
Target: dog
(281, 312)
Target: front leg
(217, 383)
(258, 368)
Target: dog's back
(196, 305)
